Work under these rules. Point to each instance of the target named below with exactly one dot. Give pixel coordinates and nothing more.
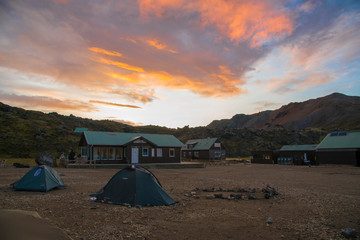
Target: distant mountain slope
(335, 111)
(25, 133)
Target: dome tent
(41, 178)
(134, 186)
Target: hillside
(25, 133)
(335, 111)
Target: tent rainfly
(134, 186)
(41, 178)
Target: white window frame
(97, 152)
(106, 151)
(119, 150)
(84, 151)
(159, 152)
(113, 155)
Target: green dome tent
(134, 186)
(41, 178)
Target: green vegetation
(24, 134)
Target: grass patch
(30, 161)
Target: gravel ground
(313, 203)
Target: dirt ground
(313, 203)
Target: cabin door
(134, 155)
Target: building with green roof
(129, 148)
(204, 149)
(297, 154)
(340, 148)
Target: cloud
(47, 103)
(160, 46)
(114, 104)
(100, 50)
(255, 21)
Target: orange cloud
(160, 46)
(121, 65)
(114, 104)
(257, 21)
(46, 104)
(100, 50)
(216, 85)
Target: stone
(349, 233)
(269, 220)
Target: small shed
(204, 149)
(297, 154)
(263, 157)
(340, 148)
(130, 148)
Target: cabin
(297, 155)
(340, 148)
(203, 149)
(263, 157)
(129, 148)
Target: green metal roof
(202, 144)
(80, 130)
(119, 139)
(340, 140)
(309, 147)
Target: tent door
(134, 155)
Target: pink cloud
(256, 21)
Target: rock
(270, 220)
(209, 190)
(349, 233)
(46, 158)
(219, 195)
(252, 197)
(210, 197)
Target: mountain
(335, 111)
(25, 133)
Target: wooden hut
(340, 148)
(204, 149)
(131, 148)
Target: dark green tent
(41, 178)
(134, 186)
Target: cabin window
(83, 151)
(159, 152)
(96, 153)
(184, 154)
(104, 153)
(119, 153)
(153, 152)
(112, 153)
(172, 152)
(217, 154)
(145, 152)
(196, 154)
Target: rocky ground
(313, 203)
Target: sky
(175, 63)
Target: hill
(25, 133)
(335, 111)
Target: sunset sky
(175, 62)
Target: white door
(134, 155)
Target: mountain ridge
(328, 112)
(26, 133)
